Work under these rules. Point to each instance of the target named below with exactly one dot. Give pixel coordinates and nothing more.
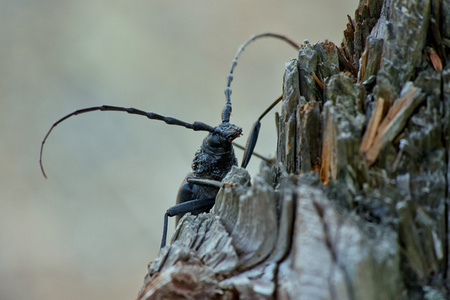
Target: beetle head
(220, 140)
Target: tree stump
(355, 206)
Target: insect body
(212, 161)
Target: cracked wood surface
(355, 205)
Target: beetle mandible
(215, 157)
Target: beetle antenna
(227, 109)
(197, 126)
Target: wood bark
(355, 206)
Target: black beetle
(215, 157)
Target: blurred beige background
(89, 231)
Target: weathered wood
(229, 240)
(394, 121)
(356, 206)
(334, 258)
(371, 131)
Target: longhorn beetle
(215, 157)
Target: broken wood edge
(371, 131)
(395, 120)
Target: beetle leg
(209, 182)
(194, 206)
(254, 153)
(253, 137)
